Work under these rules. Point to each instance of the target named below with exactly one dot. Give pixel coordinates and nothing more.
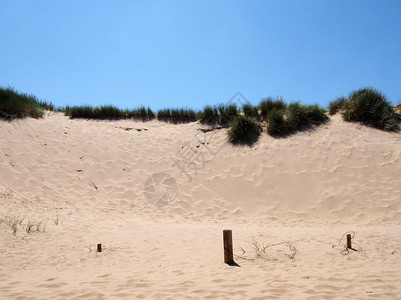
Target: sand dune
(157, 196)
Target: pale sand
(307, 190)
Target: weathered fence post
(349, 244)
(228, 246)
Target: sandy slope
(157, 196)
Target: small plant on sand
(372, 108)
(227, 113)
(276, 124)
(250, 110)
(316, 115)
(42, 224)
(29, 226)
(337, 105)
(243, 130)
(297, 116)
(300, 115)
(268, 104)
(12, 222)
(209, 114)
(294, 117)
(14, 226)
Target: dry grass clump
(269, 252)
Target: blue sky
(192, 53)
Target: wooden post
(349, 244)
(99, 247)
(228, 246)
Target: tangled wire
(342, 242)
(270, 252)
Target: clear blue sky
(192, 53)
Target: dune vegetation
(367, 106)
(243, 129)
(245, 123)
(108, 112)
(18, 105)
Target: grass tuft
(297, 116)
(372, 108)
(219, 114)
(316, 115)
(183, 115)
(227, 113)
(84, 111)
(300, 115)
(16, 105)
(142, 113)
(243, 130)
(294, 117)
(15, 223)
(108, 112)
(209, 114)
(276, 124)
(250, 111)
(268, 104)
(337, 105)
